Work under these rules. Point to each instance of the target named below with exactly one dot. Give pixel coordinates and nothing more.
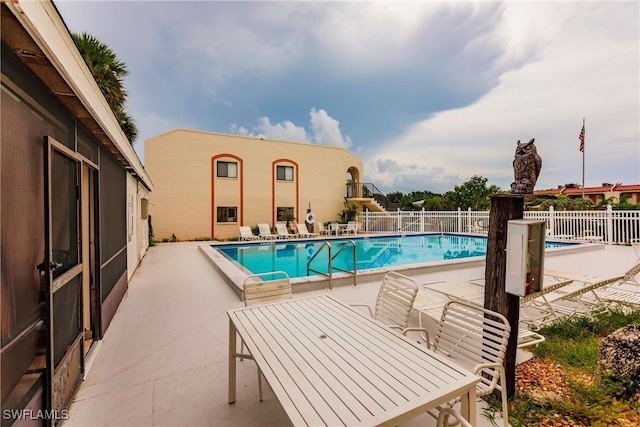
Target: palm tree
(108, 71)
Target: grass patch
(580, 397)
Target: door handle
(52, 266)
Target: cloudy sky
(427, 94)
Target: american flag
(581, 138)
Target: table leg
(232, 361)
(468, 406)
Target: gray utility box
(525, 256)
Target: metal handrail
(354, 273)
(355, 261)
(370, 191)
(330, 275)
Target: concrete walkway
(163, 361)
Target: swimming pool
(371, 253)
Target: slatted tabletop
(331, 365)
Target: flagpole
(583, 148)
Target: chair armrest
(481, 366)
(423, 330)
(363, 305)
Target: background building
(618, 192)
(207, 184)
(73, 215)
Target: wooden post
(504, 207)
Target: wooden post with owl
(526, 168)
(505, 207)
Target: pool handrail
(355, 261)
(330, 271)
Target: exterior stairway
(366, 194)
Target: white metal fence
(607, 226)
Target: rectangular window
(227, 170)
(227, 214)
(285, 214)
(284, 173)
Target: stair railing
(362, 190)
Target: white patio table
(331, 365)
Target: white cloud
(589, 69)
(286, 130)
(326, 130)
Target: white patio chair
(334, 228)
(429, 303)
(394, 302)
(445, 413)
(264, 231)
(476, 338)
(256, 290)
(284, 232)
(351, 228)
(303, 231)
(246, 234)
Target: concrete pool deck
(164, 359)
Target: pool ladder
(330, 268)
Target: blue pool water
(371, 252)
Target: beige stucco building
(206, 184)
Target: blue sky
(427, 94)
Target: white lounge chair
(284, 232)
(320, 229)
(303, 231)
(246, 234)
(602, 294)
(583, 297)
(265, 232)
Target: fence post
(459, 220)
(552, 221)
(609, 225)
(469, 222)
(422, 221)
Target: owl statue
(526, 168)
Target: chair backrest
(352, 226)
(473, 335)
(282, 230)
(257, 290)
(264, 229)
(320, 227)
(245, 231)
(395, 299)
(302, 228)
